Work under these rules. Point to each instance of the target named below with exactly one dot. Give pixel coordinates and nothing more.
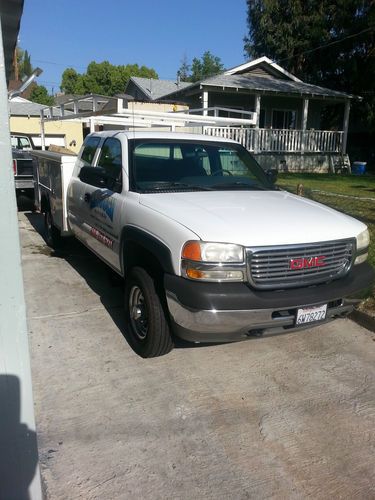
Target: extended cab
(209, 248)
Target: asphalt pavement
(290, 416)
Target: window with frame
(284, 118)
(110, 159)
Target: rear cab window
(89, 149)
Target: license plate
(311, 314)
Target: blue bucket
(359, 167)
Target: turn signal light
(192, 251)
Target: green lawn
(361, 187)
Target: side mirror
(95, 176)
(271, 174)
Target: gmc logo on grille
(303, 262)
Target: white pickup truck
(209, 248)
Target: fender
(149, 243)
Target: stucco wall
(318, 163)
(71, 130)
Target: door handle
(87, 197)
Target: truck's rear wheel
(53, 236)
(146, 323)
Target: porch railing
(264, 140)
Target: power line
(58, 64)
(309, 51)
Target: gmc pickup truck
(209, 248)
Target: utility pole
(15, 65)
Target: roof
(10, 12)
(266, 85)
(155, 89)
(22, 107)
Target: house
(25, 119)
(287, 134)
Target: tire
(52, 234)
(146, 322)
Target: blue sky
(71, 33)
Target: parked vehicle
(22, 142)
(23, 167)
(210, 249)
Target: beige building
(25, 119)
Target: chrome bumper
(24, 183)
(226, 325)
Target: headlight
(212, 252)
(363, 241)
(206, 261)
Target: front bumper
(219, 312)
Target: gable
(263, 72)
(264, 67)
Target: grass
(361, 207)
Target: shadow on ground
(98, 276)
(18, 444)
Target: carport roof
(10, 12)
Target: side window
(111, 160)
(89, 149)
(24, 143)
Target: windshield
(172, 165)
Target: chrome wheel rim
(138, 312)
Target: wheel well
(44, 204)
(135, 254)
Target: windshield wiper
(239, 184)
(161, 185)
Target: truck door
(75, 191)
(101, 206)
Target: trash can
(359, 167)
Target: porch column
(205, 102)
(345, 126)
(305, 111)
(256, 128)
(257, 109)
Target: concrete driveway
(283, 417)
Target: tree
(25, 68)
(69, 81)
(207, 65)
(184, 69)
(320, 41)
(102, 78)
(22, 67)
(40, 95)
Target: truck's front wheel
(146, 323)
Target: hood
(254, 218)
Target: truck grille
(24, 167)
(299, 265)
